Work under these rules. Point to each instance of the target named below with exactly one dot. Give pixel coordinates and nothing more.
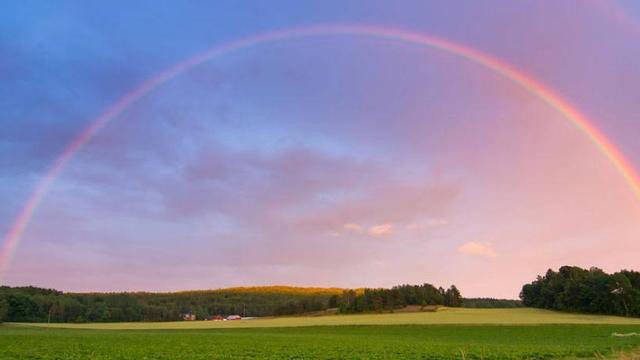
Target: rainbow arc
(534, 87)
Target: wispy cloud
(381, 230)
(477, 249)
(427, 224)
(353, 227)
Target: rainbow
(507, 71)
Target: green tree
(333, 301)
(590, 291)
(623, 291)
(347, 301)
(4, 309)
(453, 297)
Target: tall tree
(590, 291)
(4, 309)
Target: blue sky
(330, 160)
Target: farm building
(189, 316)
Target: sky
(327, 160)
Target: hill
(31, 304)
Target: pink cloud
(427, 224)
(381, 230)
(477, 249)
(353, 227)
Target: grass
(448, 334)
(516, 316)
(323, 342)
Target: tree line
(32, 304)
(490, 303)
(574, 289)
(378, 300)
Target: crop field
(449, 334)
(321, 342)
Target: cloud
(437, 222)
(390, 201)
(477, 249)
(353, 227)
(427, 224)
(381, 230)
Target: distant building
(189, 316)
(234, 317)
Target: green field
(514, 316)
(450, 334)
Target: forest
(32, 304)
(570, 289)
(377, 300)
(574, 289)
(490, 303)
